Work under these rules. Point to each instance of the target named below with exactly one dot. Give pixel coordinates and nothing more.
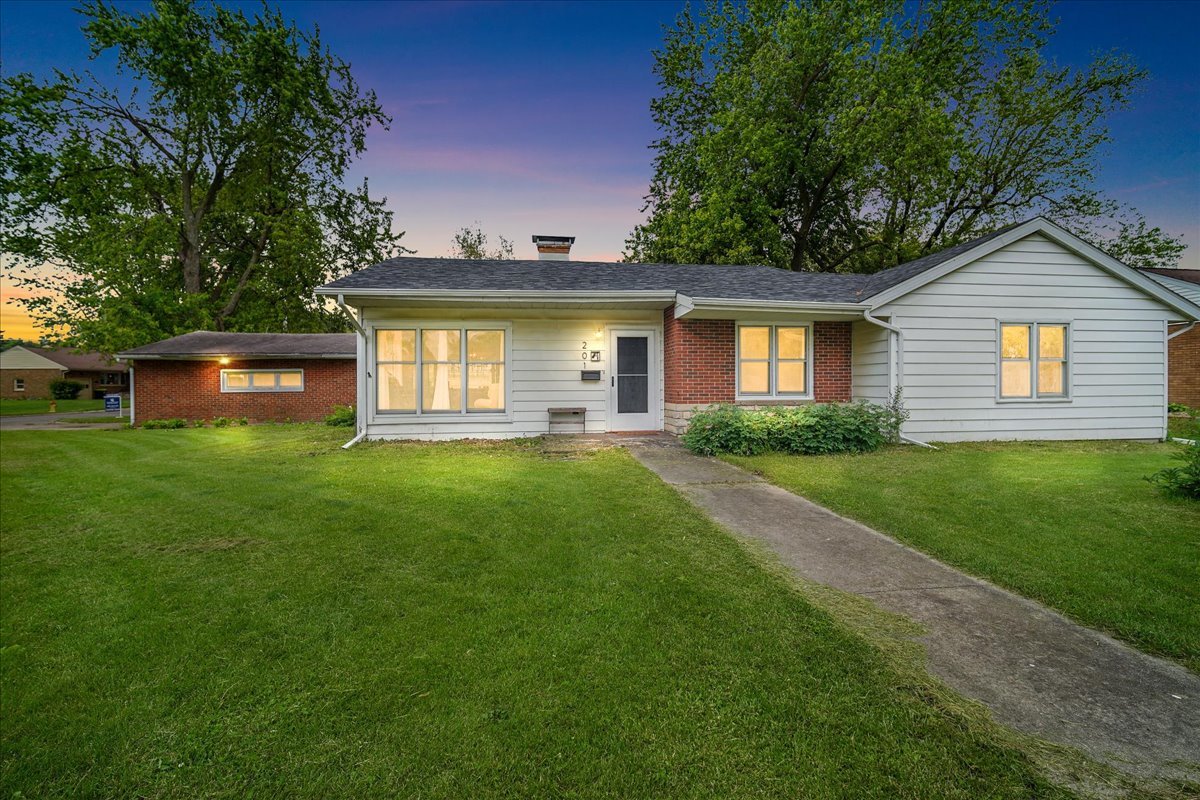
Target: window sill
(1028, 400)
(410, 418)
(773, 400)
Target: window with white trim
(440, 370)
(18, 384)
(262, 380)
(1034, 361)
(773, 360)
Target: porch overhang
(726, 308)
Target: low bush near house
(342, 417)
(165, 424)
(1178, 408)
(221, 422)
(66, 390)
(1183, 481)
(808, 430)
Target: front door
(633, 381)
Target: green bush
(1183, 481)
(165, 424)
(1178, 408)
(66, 390)
(808, 430)
(342, 417)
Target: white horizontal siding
(542, 371)
(950, 349)
(869, 362)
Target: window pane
(754, 377)
(1014, 342)
(441, 388)
(397, 387)
(237, 380)
(262, 380)
(633, 355)
(485, 345)
(789, 343)
(1014, 379)
(1051, 377)
(396, 345)
(440, 346)
(790, 377)
(291, 380)
(754, 342)
(485, 387)
(1052, 341)
(633, 394)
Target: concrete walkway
(1037, 671)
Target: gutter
(501, 295)
(685, 305)
(1171, 336)
(360, 422)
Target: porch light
(222, 360)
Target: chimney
(554, 248)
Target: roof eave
(500, 296)
(688, 306)
(219, 356)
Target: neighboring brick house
(26, 375)
(1183, 354)
(100, 374)
(264, 377)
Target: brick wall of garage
(192, 390)
(1183, 368)
(37, 383)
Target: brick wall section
(831, 362)
(1183, 368)
(698, 356)
(192, 390)
(37, 383)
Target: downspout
(360, 424)
(895, 365)
(1171, 336)
(131, 395)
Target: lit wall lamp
(222, 360)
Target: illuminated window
(262, 380)
(450, 370)
(1034, 361)
(773, 360)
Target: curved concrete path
(1037, 671)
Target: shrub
(342, 417)
(66, 390)
(1183, 481)
(221, 422)
(165, 424)
(808, 430)
(243, 420)
(198, 423)
(1178, 408)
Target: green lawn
(10, 408)
(1071, 524)
(216, 612)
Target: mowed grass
(15, 408)
(253, 611)
(1070, 524)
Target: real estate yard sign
(112, 402)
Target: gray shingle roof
(695, 280)
(260, 345)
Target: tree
(472, 243)
(852, 135)
(207, 193)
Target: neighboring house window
(262, 380)
(111, 379)
(449, 370)
(773, 360)
(1033, 361)
(18, 384)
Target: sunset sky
(533, 117)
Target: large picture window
(773, 360)
(1034, 364)
(440, 370)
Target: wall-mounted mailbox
(589, 375)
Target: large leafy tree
(208, 190)
(852, 135)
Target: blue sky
(533, 117)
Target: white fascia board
(501, 296)
(1060, 236)
(232, 356)
(687, 305)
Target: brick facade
(699, 365)
(192, 390)
(1183, 368)
(37, 383)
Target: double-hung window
(440, 370)
(1034, 362)
(773, 361)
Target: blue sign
(112, 402)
